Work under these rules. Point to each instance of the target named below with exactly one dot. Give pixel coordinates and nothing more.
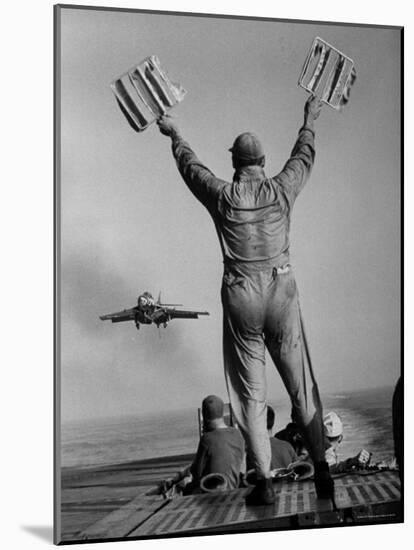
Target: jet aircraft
(148, 311)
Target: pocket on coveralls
(285, 285)
(290, 284)
(231, 280)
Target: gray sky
(129, 224)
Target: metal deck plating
(360, 498)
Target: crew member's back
(283, 454)
(221, 447)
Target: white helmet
(333, 424)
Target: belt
(260, 265)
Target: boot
(324, 483)
(262, 493)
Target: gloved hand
(313, 107)
(361, 459)
(167, 126)
(184, 482)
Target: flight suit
(259, 295)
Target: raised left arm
(297, 169)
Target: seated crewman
(292, 435)
(221, 448)
(283, 453)
(334, 435)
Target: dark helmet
(247, 147)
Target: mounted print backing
(228, 266)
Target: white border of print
(27, 281)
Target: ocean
(366, 416)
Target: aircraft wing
(184, 314)
(125, 315)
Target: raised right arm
(199, 179)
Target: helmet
(333, 425)
(247, 147)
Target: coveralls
(220, 451)
(259, 295)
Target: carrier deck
(110, 503)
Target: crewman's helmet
(333, 425)
(246, 148)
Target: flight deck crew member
(259, 295)
(334, 436)
(221, 448)
(282, 452)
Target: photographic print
(228, 207)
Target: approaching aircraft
(148, 311)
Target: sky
(129, 224)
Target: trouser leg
(286, 342)
(244, 366)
